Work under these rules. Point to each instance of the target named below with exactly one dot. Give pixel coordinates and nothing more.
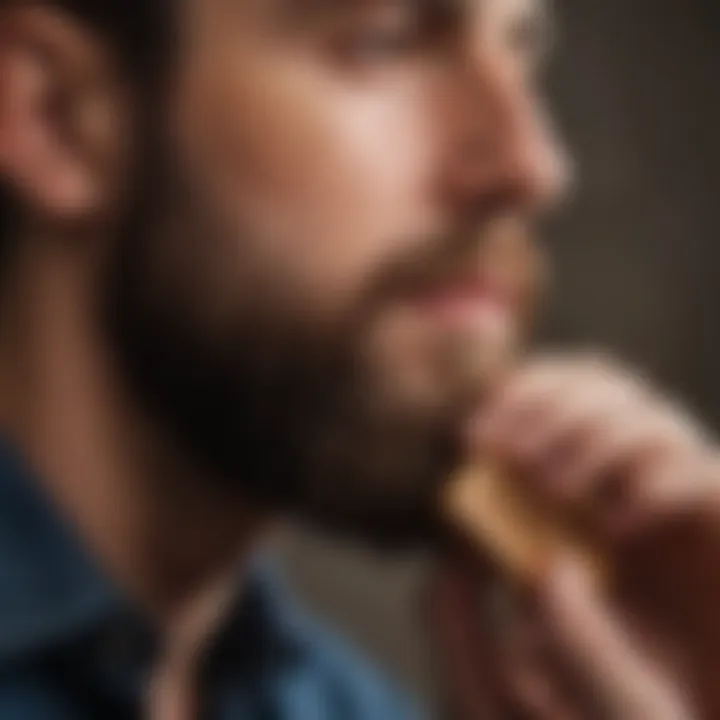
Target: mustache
(502, 246)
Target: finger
(528, 415)
(630, 685)
(632, 477)
(518, 397)
(539, 686)
(609, 471)
(565, 416)
(567, 429)
(488, 674)
(495, 663)
(590, 450)
(616, 441)
(550, 374)
(564, 432)
(682, 485)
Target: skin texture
(255, 281)
(321, 180)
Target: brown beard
(270, 405)
(289, 428)
(281, 413)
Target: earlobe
(56, 140)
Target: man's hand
(601, 447)
(562, 654)
(597, 443)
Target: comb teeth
(491, 511)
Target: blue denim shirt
(72, 647)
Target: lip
(473, 304)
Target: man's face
(338, 234)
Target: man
(253, 244)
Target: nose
(505, 148)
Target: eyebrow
(542, 11)
(294, 14)
(315, 7)
(299, 9)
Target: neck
(161, 533)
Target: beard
(288, 415)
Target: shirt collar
(52, 593)
(51, 590)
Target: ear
(61, 115)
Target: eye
(387, 35)
(383, 42)
(531, 37)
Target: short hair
(139, 31)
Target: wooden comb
(495, 514)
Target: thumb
(590, 632)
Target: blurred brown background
(636, 89)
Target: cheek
(329, 179)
